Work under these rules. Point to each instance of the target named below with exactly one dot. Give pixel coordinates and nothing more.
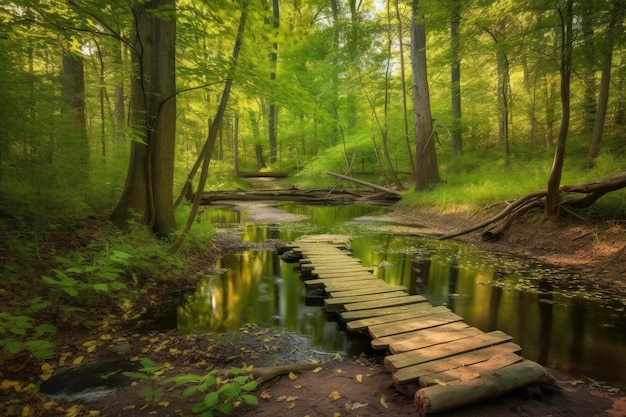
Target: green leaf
(118, 285)
(12, 346)
(226, 408)
(210, 400)
(71, 291)
(250, 399)
(189, 391)
(44, 328)
(249, 386)
(208, 382)
(101, 287)
(231, 390)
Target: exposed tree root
(497, 224)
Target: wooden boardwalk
(430, 349)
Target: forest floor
(341, 385)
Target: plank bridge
(431, 350)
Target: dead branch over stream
(592, 191)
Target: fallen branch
(262, 375)
(364, 183)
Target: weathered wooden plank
(375, 312)
(364, 291)
(341, 268)
(442, 322)
(340, 275)
(439, 398)
(470, 371)
(433, 336)
(421, 310)
(344, 284)
(349, 262)
(405, 326)
(444, 350)
(413, 373)
(407, 299)
(338, 303)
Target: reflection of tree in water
(546, 315)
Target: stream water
(557, 320)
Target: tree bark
(554, 180)
(148, 192)
(427, 171)
(455, 80)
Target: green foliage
(150, 372)
(220, 395)
(19, 333)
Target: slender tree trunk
(148, 193)
(455, 80)
(554, 180)
(236, 144)
(76, 142)
(427, 171)
(405, 107)
(119, 118)
(273, 107)
(605, 84)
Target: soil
(337, 385)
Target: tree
(427, 171)
(565, 69)
(455, 79)
(148, 192)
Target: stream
(550, 312)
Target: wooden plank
(344, 263)
(407, 299)
(340, 268)
(433, 336)
(340, 275)
(444, 350)
(375, 312)
(404, 326)
(413, 373)
(470, 371)
(346, 284)
(423, 309)
(363, 291)
(338, 303)
(439, 398)
(387, 341)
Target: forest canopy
(100, 94)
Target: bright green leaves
(18, 334)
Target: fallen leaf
(335, 395)
(336, 414)
(292, 398)
(316, 370)
(337, 356)
(78, 360)
(338, 371)
(292, 405)
(265, 395)
(359, 378)
(298, 386)
(476, 375)
(443, 384)
(46, 370)
(164, 404)
(8, 384)
(27, 411)
(292, 376)
(358, 405)
(577, 382)
(383, 402)
(281, 398)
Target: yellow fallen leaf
(48, 405)
(443, 384)
(577, 382)
(281, 398)
(105, 337)
(78, 360)
(94, 413)
(336, 414)
(46, 370)
(383, 402)
(164, 404)
(249, 368)
(292, 398)
(359, 378)
(297, 386)
(316, 370)
(335, 395)
(292, 376)
(265, 395)
(8, 384)
(338, 371)
(292, 405)
(476, 375)
(337, 356)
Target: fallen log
(443, 397)
(262, 375)
(321, 196)
(364, 183)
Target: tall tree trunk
(455, 80)
(148, 192)
(273, 107)
(554, 181)
(605, 84)
(427, 171)
(119, 112)
(236, 144)
(587, 70)
(76, 143)
(405, 107)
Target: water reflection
(556, 327)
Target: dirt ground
(337, 385)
